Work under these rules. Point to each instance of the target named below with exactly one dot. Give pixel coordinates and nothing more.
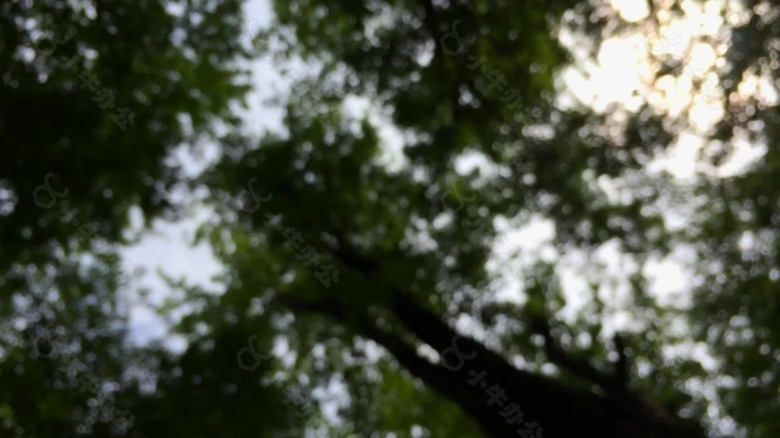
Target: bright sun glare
(623, 76)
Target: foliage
(474, 92)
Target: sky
(617, 77)
(167, 247)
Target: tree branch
(575, 366)
(620, 375)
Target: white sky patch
(607, 269)
(631, 10)
(469, 161)
(613, 82)
(515, 250)
(614, 290)
(669, 280)
(576, 290)
(167, 246)
(332, 397)
(392, 157)
(682, 159)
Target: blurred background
(260, 218)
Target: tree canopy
(445, 239)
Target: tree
(120, 88)
(385, 278)
(398, 255)
(96, 97)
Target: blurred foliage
(472, 159)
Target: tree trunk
(549, 408)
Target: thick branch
(543, 400)
(621, 373)
(449, 383)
